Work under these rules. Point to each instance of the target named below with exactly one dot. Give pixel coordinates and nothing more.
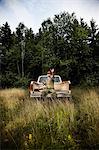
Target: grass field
(29, 124)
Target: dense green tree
(5, 35)
(94, 46)
(68, 45)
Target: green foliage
(64, 43)
(22, 82)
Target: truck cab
(61, 88)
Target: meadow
(31, 124)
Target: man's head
(49, 73)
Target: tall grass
(89, 119)
(33, 124)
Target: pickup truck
(38, 89)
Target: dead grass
(51, 123)
(12, 97)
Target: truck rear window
(56, 79)
(44, 79)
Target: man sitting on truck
(50, 79)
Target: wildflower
(30, 136)
(69, 137)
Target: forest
(65, 43)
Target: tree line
(64, 43)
